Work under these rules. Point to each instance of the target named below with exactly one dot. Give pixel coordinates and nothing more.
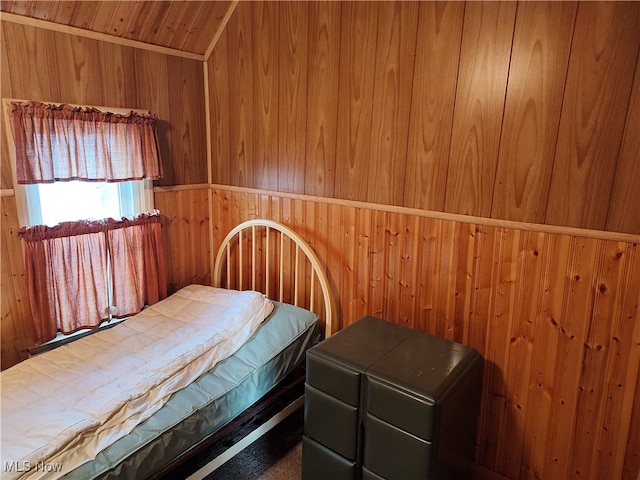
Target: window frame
(145, 195)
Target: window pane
(66, 201)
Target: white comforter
(61, 408)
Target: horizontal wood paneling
(555, 317)
(508, 110)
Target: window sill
(62, 339)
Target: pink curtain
(67, 271)
(137, 263)
(61, 142)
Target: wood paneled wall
(554, 315)
(45, 65)
(51, 66)
(186, 235)
(15, 332)
(524, 111)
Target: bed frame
(265, 255)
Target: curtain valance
(64, 142)
(83, 227)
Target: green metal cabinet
(383, 401)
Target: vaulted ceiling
(188, 26)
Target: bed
(191, 377)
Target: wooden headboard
(266, 256)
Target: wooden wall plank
(504, 314)
(555, 253)
(432, 100)
(218, 65)
(6, 175)
(482, 80)
(187, 114)
(78, 70)
(409, 266)
(292, 126)
(265, 57)
(116, 64)
(596, 361)
(599, 84)
(14, 301)
(241, 105)
(393, 74)
(322, 98)
(627, 325)
(185, 227)
(521, 342)
(576, 306)
(357, 63)
(31, 47)
(539, 59)
(621, 218)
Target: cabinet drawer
(331, 422)
(320, 463)
(392, 453)
(413, 414)
(369, 475)
(337, 380)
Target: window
(105, 150)
(52, 203)
(93, 248)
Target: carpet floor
(277, 455)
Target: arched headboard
(265, 255)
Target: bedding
(61, 408)
(198, 411)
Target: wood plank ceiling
(188, 26)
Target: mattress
(61, 408)
(213, 400)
